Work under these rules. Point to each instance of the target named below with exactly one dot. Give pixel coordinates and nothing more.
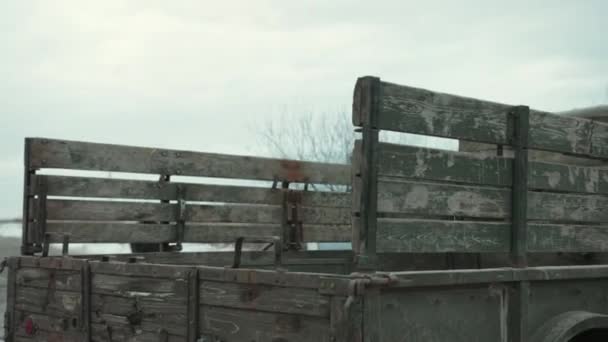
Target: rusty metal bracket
(41, 188)
(357, 286)
(65, 245)
(275, 240)
(292, 220)
(46, 244)
(180, 219)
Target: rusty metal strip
(293, 226)
(193, 305)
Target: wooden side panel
(437, 315)
(420, 111)
(139, 189)
(132, 305)
(477, 169)
(203, 233)
(434, 199)
(233, 325)
(47, 153)
(50, 301)
(437, 236)
(265, 298)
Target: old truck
(504, 240)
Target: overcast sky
(201, 74)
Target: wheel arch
(567, 325)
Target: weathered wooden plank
(161, 212)
(48, 301)
(113, 331)
(420, 236)
(128, 305)
(140, 269)
(174, 324)
(48, 153)
(366, 104)
(372, 316)
(413, 110)
(265, 298)
(548, 206)
(420, 111)
(567, 238)
(100, 232)
(441, 165)
(474, 168)
(50, 325)
(566, 134)
(45, 336)
(65, 280)
(241, 325)
(139, 189)
(436, 236)
(432, 199)
(52, 262)
(519, 191)
(269, 277)
(11, 294)
(135, 286)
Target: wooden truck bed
(478, 246)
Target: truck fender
(565, 326)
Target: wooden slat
(152, 313)
(123, 331)
(62, 210)
(138, 189)
(264, 298)
(420, 111)
(228, 324)
(48, 301)
(471, 168)
(116, 232)
(567, 238)
(48, 153)
(433, 199)
(133, 286)
(436, 236)
(64, 280)
(424, 236)
(567, 207)
(441, 165)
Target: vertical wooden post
(519, 198)
(365, 112)
(193, 306)
(27, 246)
(519, 296)
(85, 321)
(11, 293)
